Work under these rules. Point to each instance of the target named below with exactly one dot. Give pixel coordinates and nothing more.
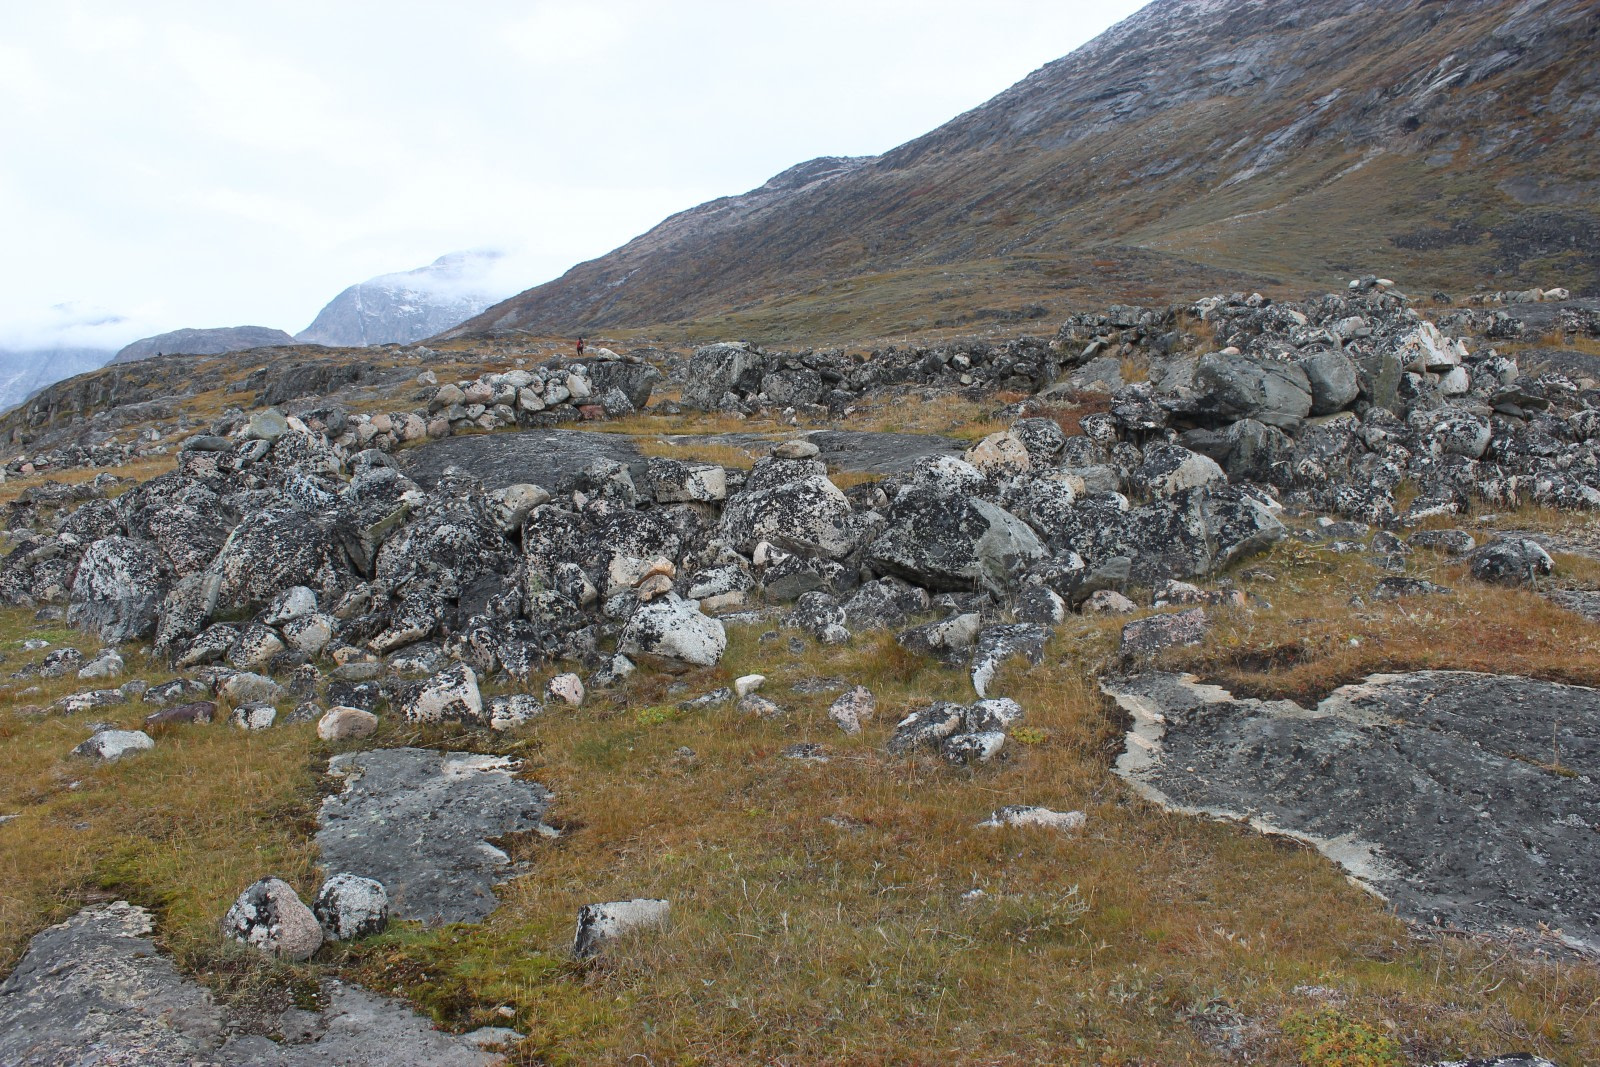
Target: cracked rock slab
(422, 823)
(1469, 800)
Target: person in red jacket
(580, 348)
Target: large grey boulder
(449, 696)
(719, 369)
(1333, 380)
(635, 381)
(1168, 470)
(420, 823)
(807, 515)
(1229, 388)
(118, 590)
(270, 551)
(953, 541)
(673, 629)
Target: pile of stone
(1332, 403)
(741, 378)
(108, 454)
(343, 581)
(558, 392)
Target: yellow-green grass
(1311, 639)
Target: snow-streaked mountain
(408, 306)
(23, 373)
(204, 342)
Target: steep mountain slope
(1449, 143)
(406, 306)
(203, 342)
(23, 373)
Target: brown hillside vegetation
(1288, 143)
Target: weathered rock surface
(349, 906)
(674, 629)
(118, 590)
(107, 745)
(1465, 799)
(269, 915)
(419, 822)
(601, 923)
(94, 990)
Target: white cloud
(568, 34)
(202, 164)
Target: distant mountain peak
(204, 342)
(407, 306)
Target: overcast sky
(171, 164)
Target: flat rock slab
(545, 457)
(422, 822)
(93, 990)
(539, 457)
(1440, 790)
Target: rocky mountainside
(1290, 142)
(23, 373)
(203, 342)
(407, 306)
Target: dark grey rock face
(1465, 799)
(1271, 392)
(420, 823)
(943, 539)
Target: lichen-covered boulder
(449, 696)
(601, 923)
(671, 628)
(271, 917)
(270, 551)
(1511, 561)
(1170, 469)
(719, 369)
(1146, 637)
(118, 590)
(107, 745)
(926, 728)
(807, 514)
(349, 907)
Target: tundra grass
(848, 911)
